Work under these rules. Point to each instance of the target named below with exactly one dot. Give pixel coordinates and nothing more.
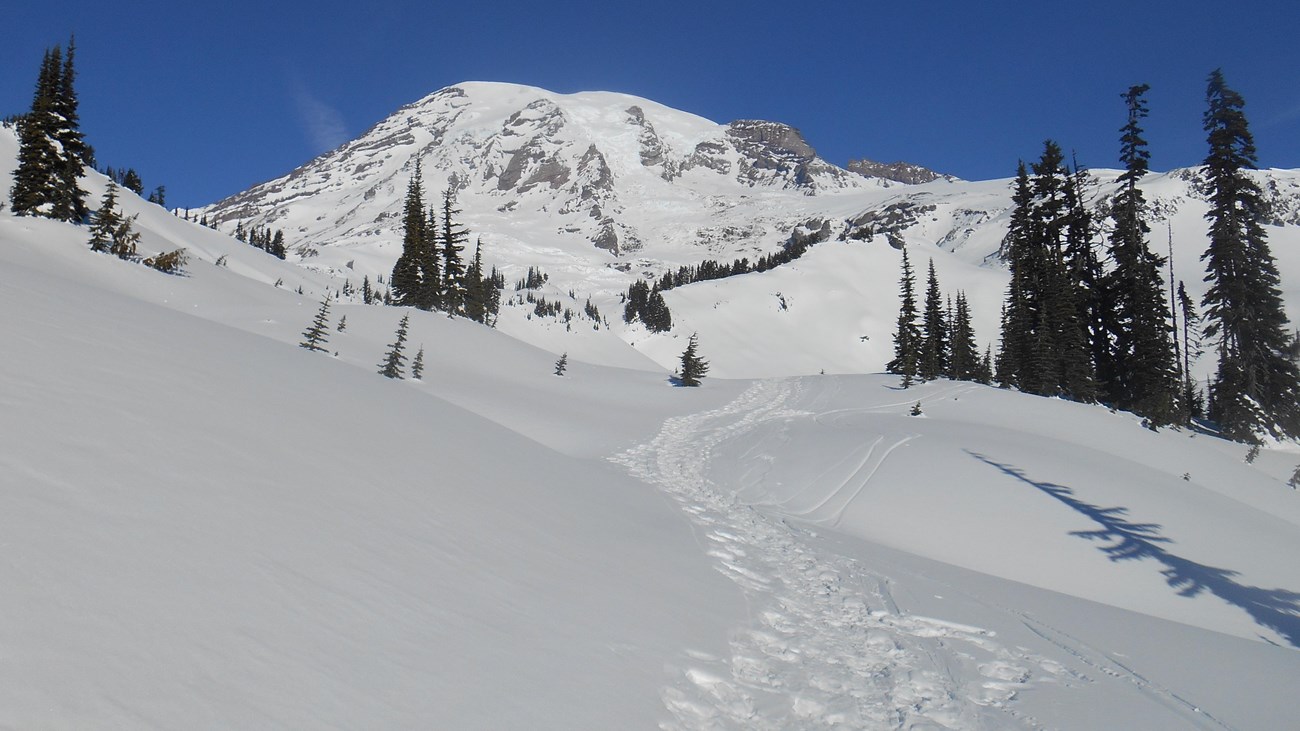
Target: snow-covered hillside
(206, 526)
(600, 189)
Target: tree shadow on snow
(1125, 540)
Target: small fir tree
(125, 239)
(394, 360)
(317, 334)
(105, 221)
(343, 323)
(562, 364)
(1193, 399)
(693, 366)
(417, 365)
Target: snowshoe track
(826, 646)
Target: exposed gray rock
(771, 150)
(607, 237)
(898, 172)
(594, 174)
(652, 148)
(709, 154)
(890, 220)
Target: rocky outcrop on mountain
(898, 172)
(652, 148)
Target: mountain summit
(596, 163)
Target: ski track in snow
(826, 645)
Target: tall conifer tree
(1145, 379)
(965, 358)
(453, 241)
(407, 282)
(1257, 386)
(907, 337)
(934, 344)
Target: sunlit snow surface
(205, 526)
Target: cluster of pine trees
(431, 273)
(646, 303)
(1087, 317)
(938, 342)
(52, 151)
(261, 237)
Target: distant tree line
(261, 237)
(645, 302)
(130, 180)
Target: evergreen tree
(394, 359)
(1015, 354)
(693, 366)
(1061, 347)
(38, 175)
(158, 196)
(275, 248)
(317, 334)
(1086, 272)
(656, 316)
(105, 221)
(74, 154)
(1191, 350)
(907, 338)
(417, 365)
(409, 279)
(343, 323)
(1044, 350)
(132, 182)
(934, 343)
(965, 359)
(637, 296)
(562, 364)
(1257, 386)
(475, 306)
(985, 372)
(453, 239)
(1145, 376)
(69, 135)
(125, 239)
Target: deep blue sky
(209, 98)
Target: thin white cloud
(322, 123)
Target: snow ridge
(826, 644)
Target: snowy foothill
(207, 526)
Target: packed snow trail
(825, 645)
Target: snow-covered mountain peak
(596, 161)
